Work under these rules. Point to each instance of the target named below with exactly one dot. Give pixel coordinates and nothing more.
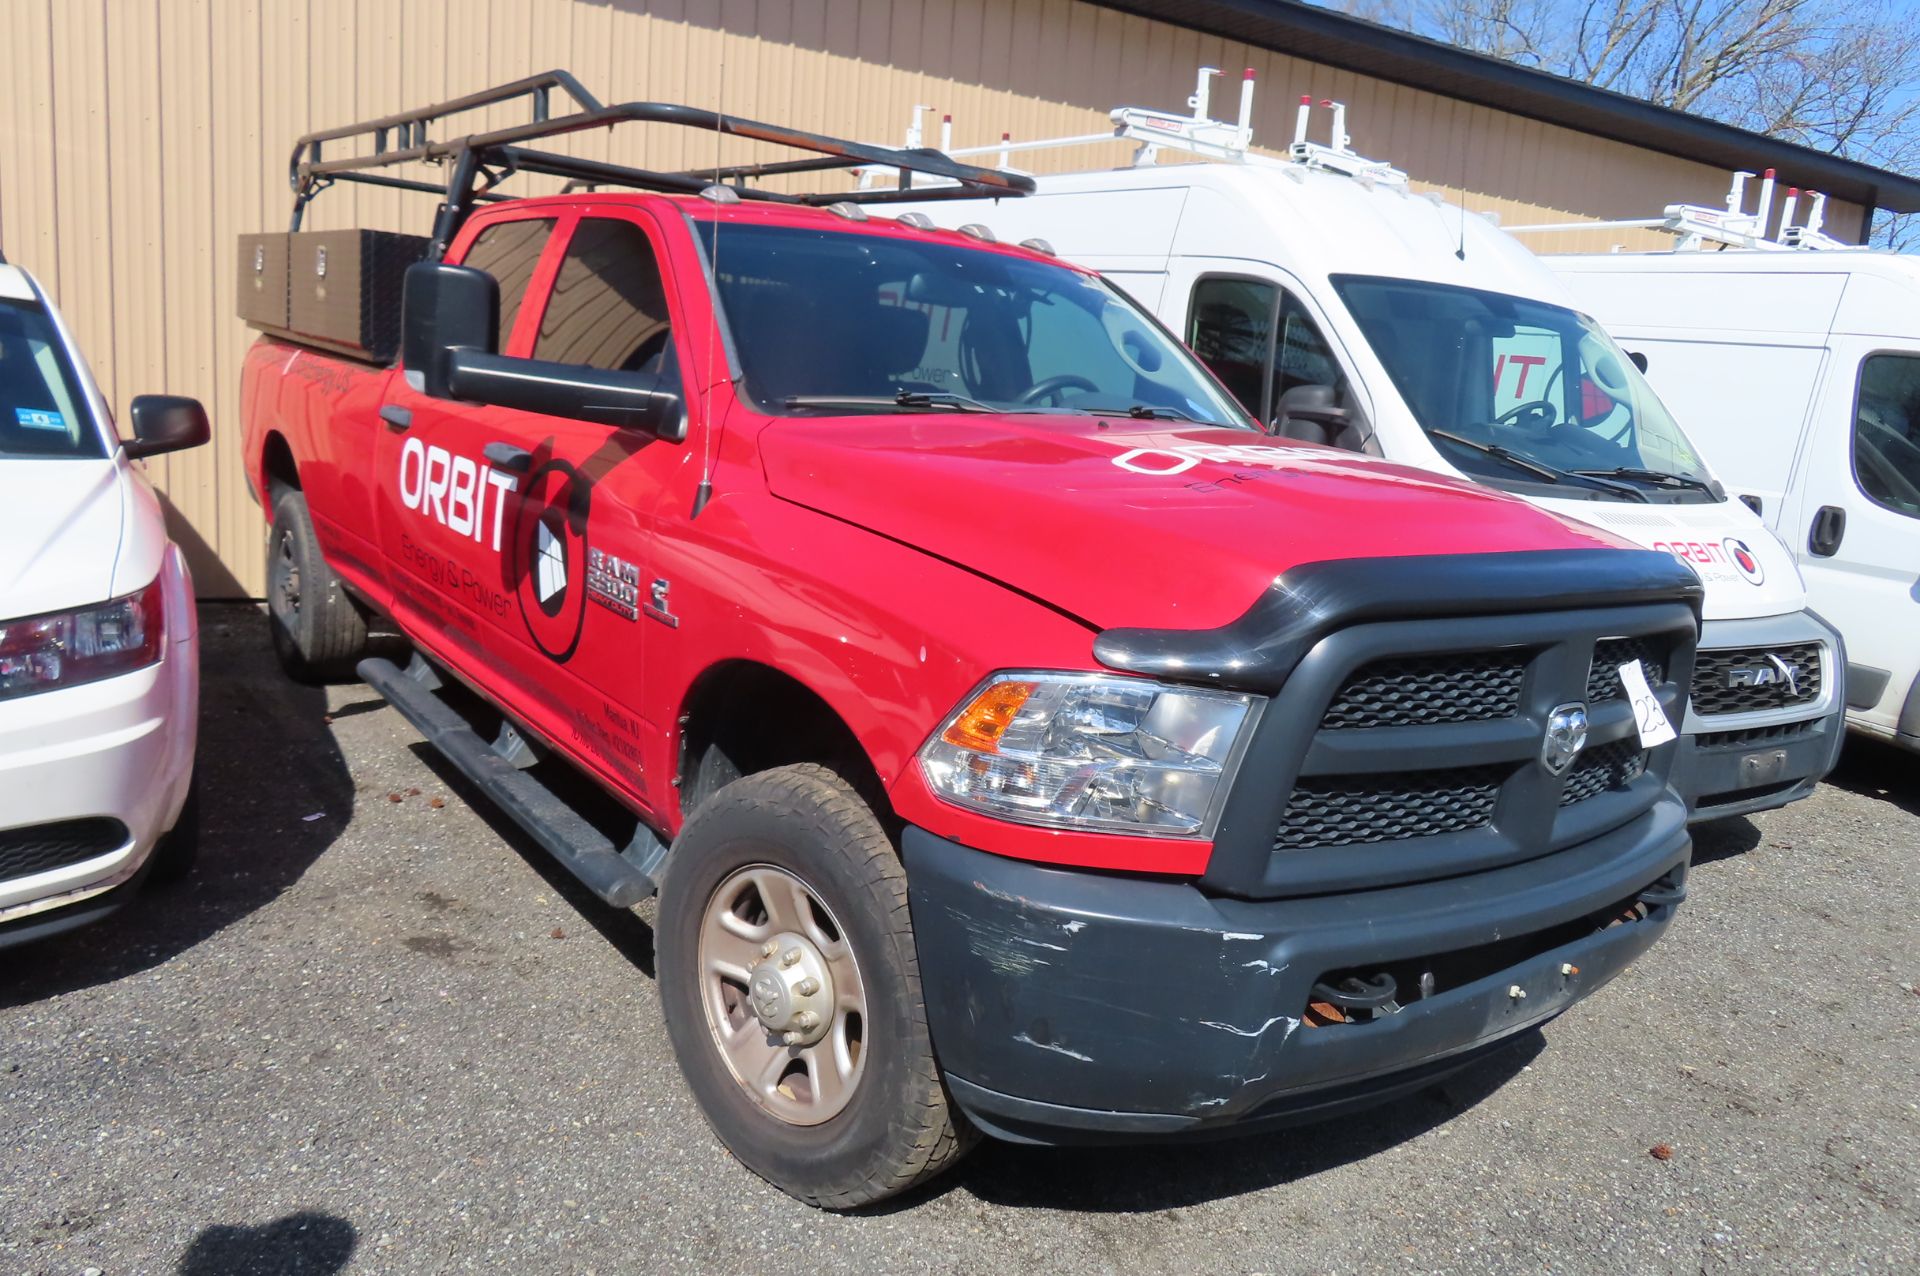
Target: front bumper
(1070, 1006)
(120, 750)
(1737, 764)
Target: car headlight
(1091, 752)
(66, 648)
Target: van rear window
(42, 413)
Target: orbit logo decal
(1744, 560)
(548, 559)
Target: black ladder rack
(480, 162)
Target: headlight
(1088, 751)
(44, 653)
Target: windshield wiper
(905, 400)
(1662, 477)
(1550, 473)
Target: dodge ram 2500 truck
(897, 587)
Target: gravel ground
(393, 1038)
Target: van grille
(1720, 684)
(40, 847)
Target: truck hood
(1123, 523)
(60, 533)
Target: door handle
(396, 417)
(1829, 525)
(508, 457)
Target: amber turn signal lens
(982, 723)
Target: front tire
(783, 899)
(179, 847)
(318, 631)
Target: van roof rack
(1697, 226)
(1195, 134)
(479, 162)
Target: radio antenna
(717, 192)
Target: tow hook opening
(1362, 995)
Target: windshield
(1516, 381)
(41, 411)
(826, 321)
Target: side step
(622, 878)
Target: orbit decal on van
(547, 556)
(1744, 560)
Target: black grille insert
(1464, 686)
(24, 852)
(1603, 676)
(1609, 766)
(1353, 810)
(1752, 679)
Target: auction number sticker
(1649, 718)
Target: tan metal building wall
(139, 137)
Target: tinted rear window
(41, 411)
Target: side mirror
(443, 310)
(1314, 414)
(1639, 359)
(166, 423)
(450, 318)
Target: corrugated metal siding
(139, 137)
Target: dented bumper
(1069, 1006)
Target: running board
(621, 878)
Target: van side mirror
(1314, 414)
(166, 423)
(450, 316)
(1639, 359)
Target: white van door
(1858, 526)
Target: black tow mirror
(450, 318)
(1315, 414)
(1638, 359)
(166, 423)
(445, 310)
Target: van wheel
(174, 856)
(318, 631)
(791, 991)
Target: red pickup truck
(1019, 739)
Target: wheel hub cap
(791, 990)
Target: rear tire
(318, 631)
(886, 1124)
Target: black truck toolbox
(340, 289)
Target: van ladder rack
(480, 162)
(1697, 226)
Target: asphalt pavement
(379, 1032)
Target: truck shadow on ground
(266, 761)
(304, 1244)
(1723, 839)
(1138, 1179)
(1876, 769)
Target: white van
(1799, 373)
(1342, 308)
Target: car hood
(1124, 523)
(61, 527)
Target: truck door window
(608, 309)
(509, 251)
(1260, 341)
(1886, 432)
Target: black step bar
(621, 878)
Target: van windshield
(42, 413)
(1520, 391)
(829, 322)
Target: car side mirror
(450, 317)
(1639, 359)
(1314, 414)
(166, 423)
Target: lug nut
(807, 987)
(769, 948)
(1517, 993)
(789, 958)
(807, 1020)
(790, 1038)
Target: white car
(99, 656)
